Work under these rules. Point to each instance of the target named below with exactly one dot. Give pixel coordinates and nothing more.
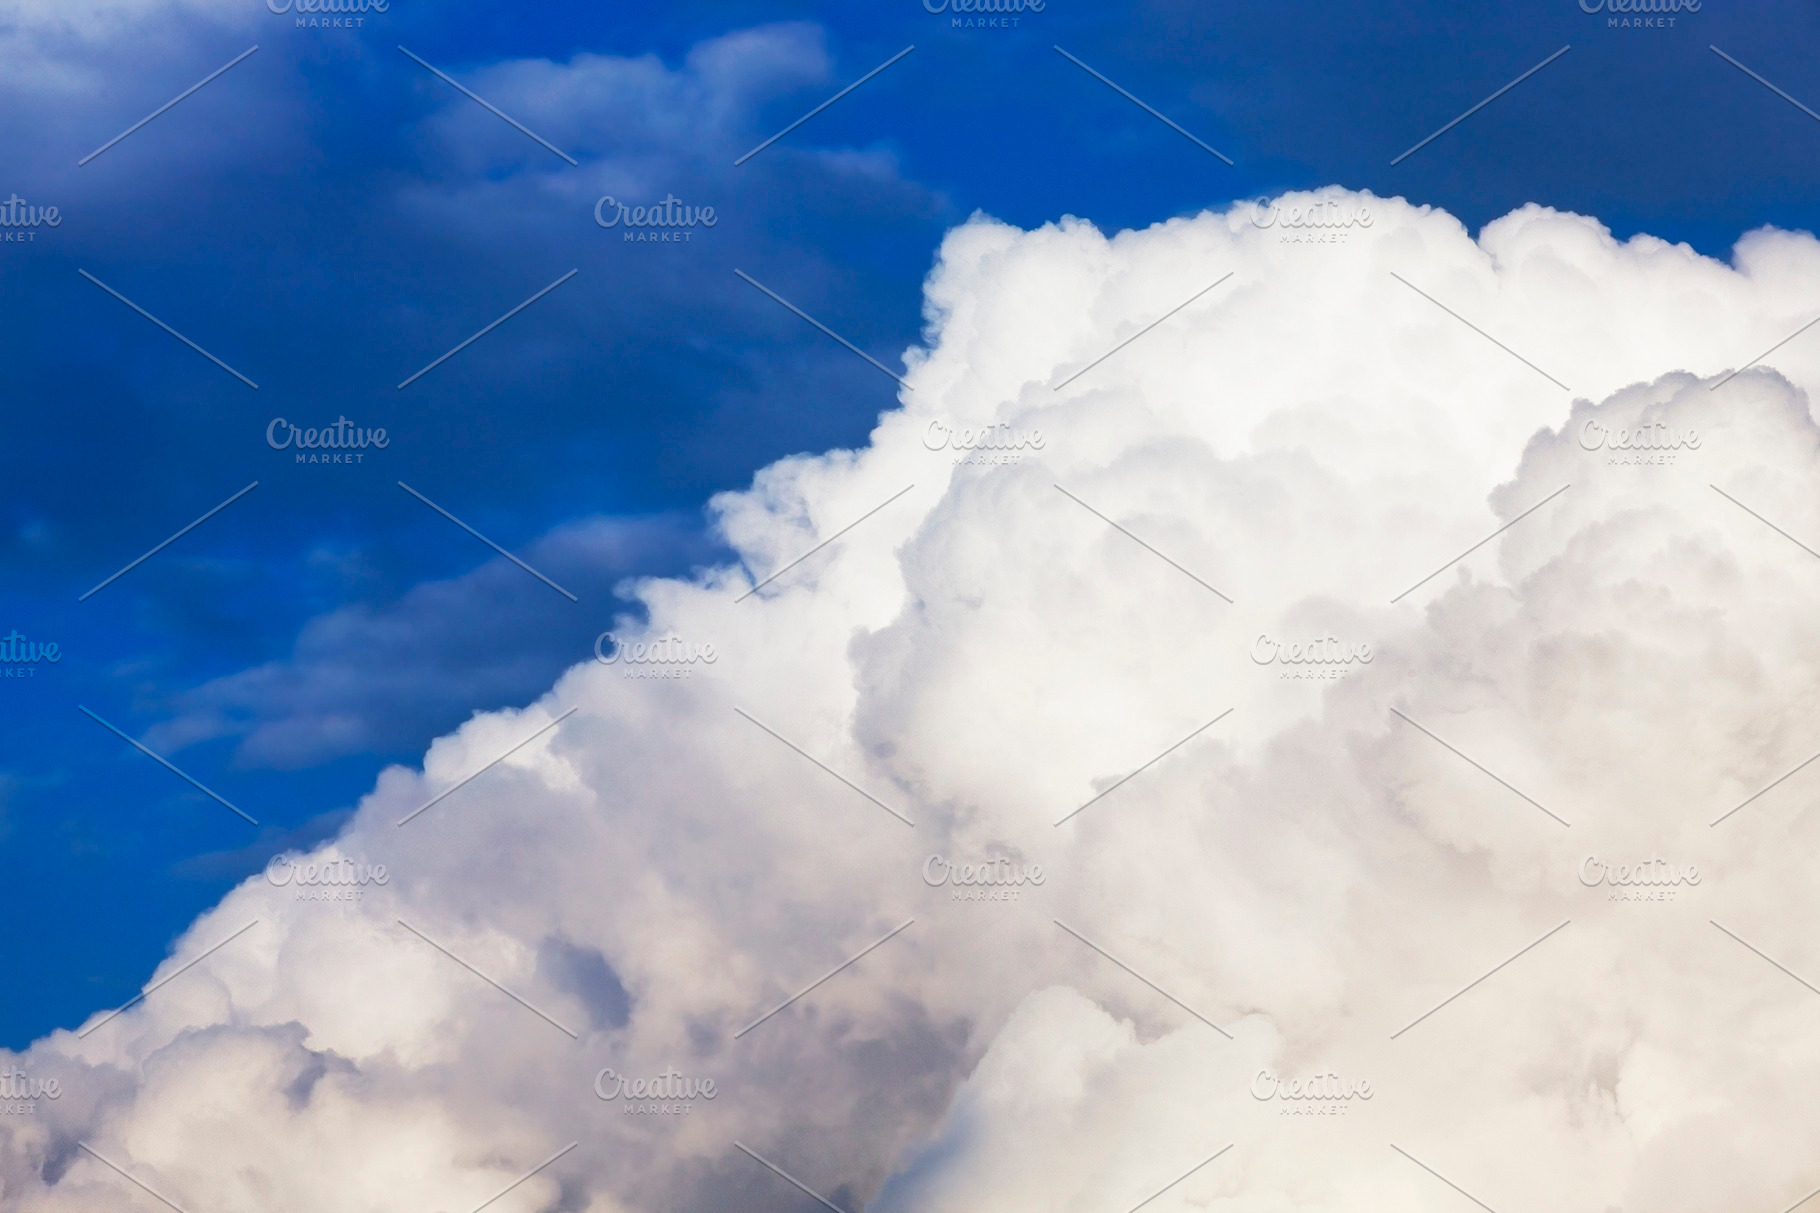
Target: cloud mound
(1138, 724)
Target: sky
(655, 434)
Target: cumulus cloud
(987, 655)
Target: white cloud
(635, 121)
(985, 655)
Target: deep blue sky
(328, 217)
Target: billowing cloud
(1242, 509)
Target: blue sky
(328, 217)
